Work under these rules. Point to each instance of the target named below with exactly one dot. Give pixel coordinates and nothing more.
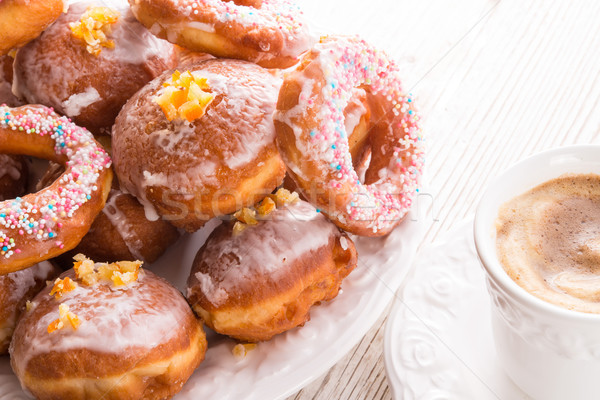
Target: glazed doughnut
(253, 281)
(91, 82)
(13, 176)
(213, 157)
(271, 33)
(357, 116)
(6, 77)
(16, 289)
(314, 145)
(23, 20)
(122, 232)
(45, 224)
(107, 331)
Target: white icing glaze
(119, 220)
(22, 281)
(77, 102)
(10, 167)
(281, 19)
(352, 119)
(267, 249)
(240, 117)
(243, 101)
(201, 26)
(344, 243)
(143, 314)
(134, 44)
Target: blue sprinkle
(51, 234)
(313, 133)
(417, 190)
(31, 224)
(5, 248)
(410, 112)
(333, 146)
(318, 210)
(338, 167)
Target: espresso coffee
(548, 241)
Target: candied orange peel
(241, 350)
(247, 216)
(62, 286)
(120, 273)
(250, 216)
(65, 318)
(266, 207)
(94, 26)
(283, 197)
(185, 96)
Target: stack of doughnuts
(157, 116)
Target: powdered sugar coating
(347, 63)
(39, 219)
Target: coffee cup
(550, 352)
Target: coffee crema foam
(548, 241)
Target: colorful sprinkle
(22, 220)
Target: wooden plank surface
(495, 81)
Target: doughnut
(313, 140)
(260, 276)
(206, 154)
(271, 33)
(91, 82)
(121, 231)
(42, 225)
(13, 176)
(6, 77)
(107, 331)
(23, 20)
(16, 289)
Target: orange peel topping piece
(85, 270)
(185, 96)
(241, 350)
(266, 207)
(65, 318)
(238, 228)
(93, 28)
(247, 216)
(62, 286)
(121, 273)
(284, 196)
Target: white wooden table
(495, 82)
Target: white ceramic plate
(284, 365)
(438, 339)
(290, 361)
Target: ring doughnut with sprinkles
(270, 33)
(43, 225)
(314, 143)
